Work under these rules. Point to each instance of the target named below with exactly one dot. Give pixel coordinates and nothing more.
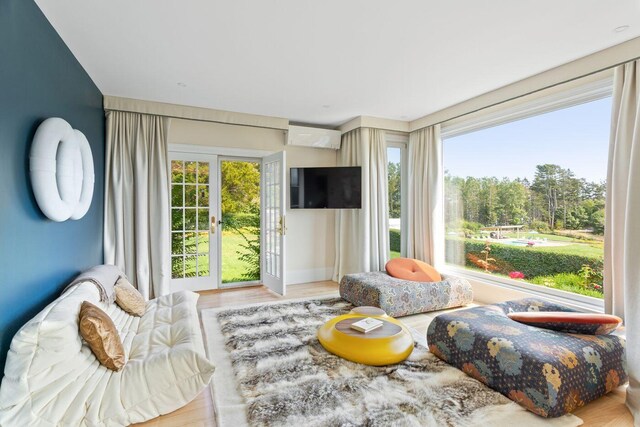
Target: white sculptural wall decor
(61, 169)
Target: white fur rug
(271, 370)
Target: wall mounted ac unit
(313, 137)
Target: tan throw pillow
(98, 330)
(128, 298)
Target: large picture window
(525, 200)
(397, 184)
(394, 171)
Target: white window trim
(401, 141)
(528, 107)
(218, 151)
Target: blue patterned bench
(403, 297)
(549, 373)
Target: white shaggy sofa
(53, 379)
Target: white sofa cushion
(53, 378)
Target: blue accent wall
(40, 78)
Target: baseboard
(309, 275)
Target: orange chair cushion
(570, 322)
(412, 269)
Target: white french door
(273, 222)
(194, 221)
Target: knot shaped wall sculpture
(61, 170)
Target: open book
(366, 325)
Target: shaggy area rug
(271, 370)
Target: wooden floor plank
(608, 411)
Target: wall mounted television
(326, 188)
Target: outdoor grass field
(591, 248)
(233, 269)
(394, 243)
(583, 249)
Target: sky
(576, 138)
(393, 155)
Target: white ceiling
(327, 61)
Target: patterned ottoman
(549, 373)
(402, 297)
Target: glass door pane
(274, 222)
(190, 200)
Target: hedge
(517, 258)
(394, 240)
(240, 220)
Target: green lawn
(555, 237)
(190, 261)
(394, 243)
(583, 249)
(233, 269)
(591, 248)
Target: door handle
(213, 224)
(282, 225)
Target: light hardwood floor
(608, 411)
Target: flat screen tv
(326, 188)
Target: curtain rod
(195, 120)
(393, 131)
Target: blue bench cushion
(550, 373)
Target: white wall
(310, 233)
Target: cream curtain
(362, 235)
(425, 227)
(622, 229)
(136, 220)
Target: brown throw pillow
(128, 298)
(98, 330)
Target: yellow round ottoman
(391, 343)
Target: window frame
(401, 141)
(593, 89)
(560, 97)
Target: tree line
(394, 182)
(555, 199)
